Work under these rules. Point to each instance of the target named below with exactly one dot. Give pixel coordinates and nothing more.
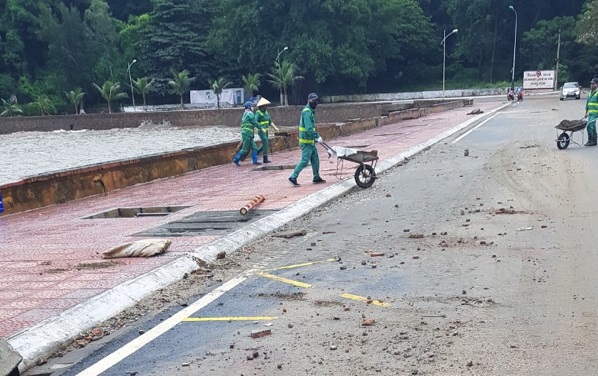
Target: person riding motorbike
(519, 93)
(510, 95)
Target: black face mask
(313, 105)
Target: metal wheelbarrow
(365, 174)
(563, 139)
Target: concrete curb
(45, 338)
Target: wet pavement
(51, 257)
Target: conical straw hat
(263, 102)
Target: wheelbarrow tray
(571, 126)
(361, 156)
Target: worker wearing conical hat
(263, 118)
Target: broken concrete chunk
(475, 112)
(290, 234)
(260, 333)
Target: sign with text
(538, 80)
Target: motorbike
(520, 96)
(510, 95)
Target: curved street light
(444, 56)
(131, 82)
(514, 49)
(280, 52)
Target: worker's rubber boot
(237, 158)
(591, 141)
(254, 157)
(266, 160)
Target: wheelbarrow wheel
(365, 176)
(563, 141)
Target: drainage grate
(207, 223)
(137, 212)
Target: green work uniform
(264, 121)
(248, 124)
(592, 110)
(307, 142)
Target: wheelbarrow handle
(328, 149)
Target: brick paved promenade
(50, 257)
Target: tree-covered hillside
(51, 48)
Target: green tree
(483, 41)
(110, 92)
(122, 10)
(19, 45)
(103, 35)
(70, 58)
(539, 44)
(45, 105)
(401, 43)
(10, 108)
(175, 38)
(282, 77)
(251, 83)
(218, 86)
(180, 82)
(133, 44)
(143, 86)
(75, 97)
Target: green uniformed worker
(308, 136)
(263, 119)
(248, 126)
(592, 113)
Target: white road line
(166, 325)
(476, 127)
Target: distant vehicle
(570, 90)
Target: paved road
(459, 289)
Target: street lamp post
(280, 52)
(514, 50)
(131, 83)
(278, 66)
(444, 57)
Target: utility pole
(556, 73)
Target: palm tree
(75, 97)
(110, 92)
(217, 87)
(252, 83)
(283, 76)
(10, 108)
(44, 104)
(143, 86)
(180, 83)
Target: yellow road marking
(362, 299)
(284, 280)
(304, 264)
(233, 318)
